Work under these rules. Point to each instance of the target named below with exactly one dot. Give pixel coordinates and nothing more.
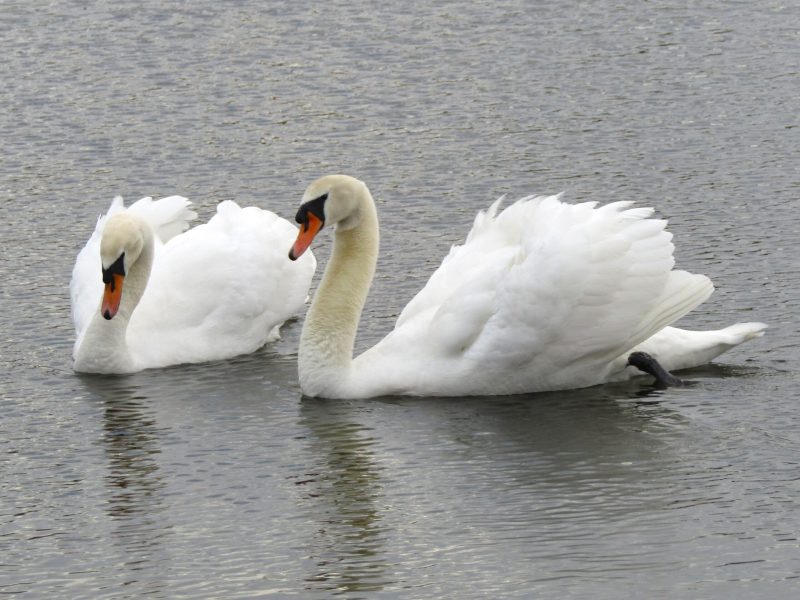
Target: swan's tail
(741, 332)
(682, 349)
(168, 216)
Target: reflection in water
(571, 438)
(131, 442)
(494, 485)
(478, 473)
(343, 495)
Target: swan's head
(122, 242)
(332, 200)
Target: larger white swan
(146, 295)
(541, 296)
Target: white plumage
(541, 296)
(217, 290)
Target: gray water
(220, 480)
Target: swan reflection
(134, 482)
(343, 494)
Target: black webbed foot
(644, 362)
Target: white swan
(216, 291)
(541, 296)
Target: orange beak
(112, 296)
(306, 235)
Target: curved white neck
(329, 332)
(103, 347)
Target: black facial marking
(117, 268)
(315, 207)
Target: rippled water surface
(221, 480)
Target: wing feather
(545, 287)
(208, 293)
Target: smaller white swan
(147, 293)
(541, 296)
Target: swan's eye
(117, 268)
(316, 207)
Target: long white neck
(103, 347)
(329, 332)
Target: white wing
(220, 289)
(541, 296)
(168, 216)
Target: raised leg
(645, 362)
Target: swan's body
(215, 291)
(541, 296)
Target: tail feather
(741, 332)
(682, 349)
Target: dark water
(220, 480)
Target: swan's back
(543, 295)
(221, 289)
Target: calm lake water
(220, 480)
